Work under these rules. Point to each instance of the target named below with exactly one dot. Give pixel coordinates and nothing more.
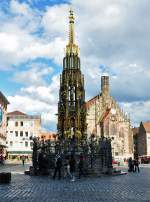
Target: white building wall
(148, 144)
(18, 137)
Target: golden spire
(71, 27)
(71, 48)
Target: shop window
(16, 133)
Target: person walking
(67, 169)
(23, 160)
(136, 165)
(58, 166)
(72, 163)
(81, 166)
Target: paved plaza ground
(23, 188)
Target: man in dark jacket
(58, 165)
(136, 165)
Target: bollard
(5, 178)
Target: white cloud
(138, 111)
(35, 106)
(38, 99)
(34, 75)
(19, 41)
(17, 46)
(9, 43)
(24, 16)
(18, 8)
(55, 21)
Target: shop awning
(19, 152)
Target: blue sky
(113, 36)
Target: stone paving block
(129, 188)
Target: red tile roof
(146, 125)
(17, 113)
(91, 101)
(48, 136)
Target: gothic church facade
(116, 125)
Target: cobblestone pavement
(23, 188)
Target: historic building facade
(143, 139)
(135, 131)
(102, 110)
(46, 135)
(71, 110)
(20, 127)
(3, 110)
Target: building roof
(146, 125)
(48, 135)
(91, 101)
(17, 113)
(4, 98)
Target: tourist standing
(67, 169)
(23, 160)
(58, 166)
(136, 165)
(131, 165)
(40, 161)
(72, 163)
(81, 166)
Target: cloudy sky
(113, 36)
